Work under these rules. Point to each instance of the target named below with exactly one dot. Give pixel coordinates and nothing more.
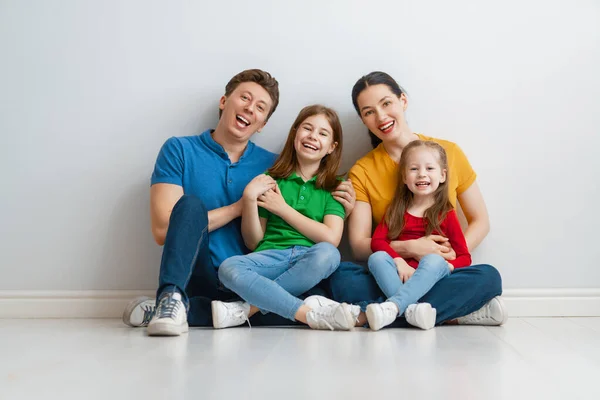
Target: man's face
(245, 110)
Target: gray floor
(528, 358)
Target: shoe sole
(503, 308)
(350, 321)
(129, 310)
(167, 329)
(372, 315)
(425, 317)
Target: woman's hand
(346, 195)
(259, 185)
(273, 201)
(432, 244)
(405, 271)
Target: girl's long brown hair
(403, 198)
(287, 162)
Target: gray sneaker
(492, 314)
(333, 317)
(139, 311)
(170, 318)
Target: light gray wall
(90, 90)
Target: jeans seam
(193, 263)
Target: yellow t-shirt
(375, 176)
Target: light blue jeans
(432, 268)
(271, 279)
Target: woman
(468, 296)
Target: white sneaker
(170, 317)
(380, 315)
(317, 301)
(492, 314)
(421, 315)
(139, 311)
(225, 315)
(333, 317)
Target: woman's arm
(359, 230)
(330, 230)
(473, 206)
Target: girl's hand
(346, 195)
(259, 185)
(405, 271)
(273, 201)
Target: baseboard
(110, 303)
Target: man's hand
(273, 201)
(259, 185)
(405, 271)
(346, 195)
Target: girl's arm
(253, 227)
(457, 241)
(380, 241)
(330, 230)
(473, 206)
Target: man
(195, 202)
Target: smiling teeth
(309, 146)
(244, 120)
(383, 128)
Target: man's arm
(164, 196)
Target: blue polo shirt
(203, 169)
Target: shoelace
(148, 314)
(168, 307)
(320, 315)
(242, 314)
(483, 313)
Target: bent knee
(191, 203)
(327, 257)
(378, 258)
(490, 275)
(229, 270)
(435, 263)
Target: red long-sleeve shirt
(414, 228)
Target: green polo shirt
(305, 198)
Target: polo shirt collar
(208, 140)
(295, 176)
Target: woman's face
(382, 111)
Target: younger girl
(420, 208)
(286, 212)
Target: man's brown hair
(260, 77)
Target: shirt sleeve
(380, 241)
(357, 176)
(334, 207)
(263, 213)
(169, 164)
(463, 169)
(457, 240)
